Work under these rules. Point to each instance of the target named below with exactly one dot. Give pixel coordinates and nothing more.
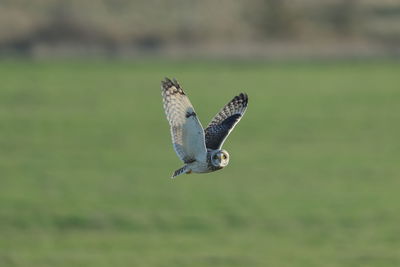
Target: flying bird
(199, 149)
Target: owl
(199, 149)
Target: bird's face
(220, 158)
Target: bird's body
(199, 149)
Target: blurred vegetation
(117, 26)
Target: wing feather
(223, 123)
(186, 130)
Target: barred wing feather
(186, 130)
(224, 122)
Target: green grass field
(86, 156)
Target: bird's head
(219, 158)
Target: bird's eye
(224, 156)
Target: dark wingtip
(167, 83)
(243, 97)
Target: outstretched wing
(186, 130)
(224, 122)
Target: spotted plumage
(199, 149)
(224, 122)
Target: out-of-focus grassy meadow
(86, 158)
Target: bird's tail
(184, 169)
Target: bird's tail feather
(184, 169)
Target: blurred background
(268, 28)
(86, 153)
